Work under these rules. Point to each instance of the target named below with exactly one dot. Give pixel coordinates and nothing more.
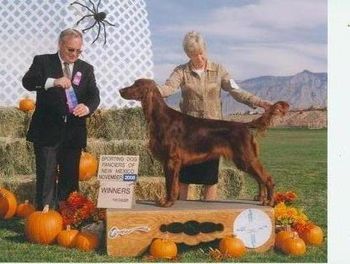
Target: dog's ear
(153, 84)
(149, 84)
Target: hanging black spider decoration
(100, 19)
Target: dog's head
(138, 90)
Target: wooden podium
(130, 231)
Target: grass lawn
(297, 159)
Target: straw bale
(125, 123)
(147, 166)
(150, 188)
(16, 156)
(23, 186)
(147, 188)
(13, 122)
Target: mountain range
(303, 90)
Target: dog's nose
(122, 91)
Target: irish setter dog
(177, 140)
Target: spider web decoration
(32, 27)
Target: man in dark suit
(66, 93)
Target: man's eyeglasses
(77, 51)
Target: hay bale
(153, 187)
(13, 122)
(147, 188)
(126, 123)
(148, 166)
(16, 156)
(230, 183)
(23, 186)
(150, 188)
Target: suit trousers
(57, 173)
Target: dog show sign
(117, 175)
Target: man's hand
(63, 82)
(81, 110)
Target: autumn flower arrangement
(289, 216)
(285, 197)
(79, 210)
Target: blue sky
(250, 37)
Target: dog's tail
(264, 121)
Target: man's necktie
(72, 100)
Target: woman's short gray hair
(70, 32)
(193, 43)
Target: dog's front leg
(171, 170)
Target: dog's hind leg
(265, 181)
(171, 170)
(246, 159)
(263, 178)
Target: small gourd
(66, 238)
(42, 227)
(294, 246)
(232, 246)
(87, 241)
(313, 235)
(26, 104)
(87, 166)
(8, 204)
(281, 236)
(24, 209)
(163, 249)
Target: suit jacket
(51, 121)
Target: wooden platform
(131, 231)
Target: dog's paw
(260, 198)
(264, 202)
(268, 202)
(271, 203)
(163, 202)
(257, 198)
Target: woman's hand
(266, 106)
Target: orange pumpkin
(42, 227)
(281, 236)
(66, 238)
(24, 209)
(294, 246)
(87, 166)
(8, 204)
(313, 235)
(86, 241)
(26, 104)
(232, 246)
(163, 248)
